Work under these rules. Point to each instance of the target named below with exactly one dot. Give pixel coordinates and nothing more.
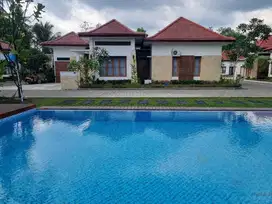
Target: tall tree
(18, 17)
(247, 35)
(44, 32)
(141, 29)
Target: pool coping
(18, 110)
(152, 108)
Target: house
(5, 47)
(228, 69)
(183, 50)
(266, 45)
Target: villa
(183, 50)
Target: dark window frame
(199, 70)
(231, 73)
(113, 59)
(174, 69)
(223, 67)
(112, 43)
(173, 66)
(63, 58)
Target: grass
(164, 102)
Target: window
(174, 67)
(197, 66)
(63, 58)
(114, 67)
(223, 69)
(113, 43)
(231, 70)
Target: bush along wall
(163, 84)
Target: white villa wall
(238, 69)
(124, 51)
(65, 51)
(196, 49)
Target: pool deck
(7, 110)
(152, 108)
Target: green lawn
(165, 102)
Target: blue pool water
(136, 157)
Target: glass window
(223, 69)
(115, 66)
(123, 66)
(174, 67)
(197, 66)
(231, 70)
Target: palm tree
(44, 32)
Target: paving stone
(219, 102)
(162, 102)
(199, 102)
(105, 102)
(180, 102)
(68, 102)
(238, 102)
(143, 102)
(125, 101)
(88, 102)
(256, 101)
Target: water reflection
(83, 149)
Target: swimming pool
(136, 157)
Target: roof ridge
(165, 28)
(60, 37)
(112, 20)
(206, 28)
(100, 26)
(194, 23)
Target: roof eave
(187, 40)
(62, 44)
(112, 35)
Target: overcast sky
(153, 15)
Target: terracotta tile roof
(112, 28)
(265, 44)
(183, 29)
(70, 39)
(5, 45)
(225, 56)
(268, 49)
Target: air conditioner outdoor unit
(175, 53)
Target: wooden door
(186, 67)
(60, 66)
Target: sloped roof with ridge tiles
(111, 29)
(183, 29)
(70, 39)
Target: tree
(141, 29)
(246, 36)
(44, 32)
(89, 67)
(86, 26)
(18, 17)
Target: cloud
(153, 15)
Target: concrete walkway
(250, 89)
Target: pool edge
(17, 111)
(152, 108)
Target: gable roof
(70, 39)
(183, 29)
(112, 28)
(265, 44)
(225, 56)
(4, 45)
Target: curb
(151, 108)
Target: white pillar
(270, 66)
